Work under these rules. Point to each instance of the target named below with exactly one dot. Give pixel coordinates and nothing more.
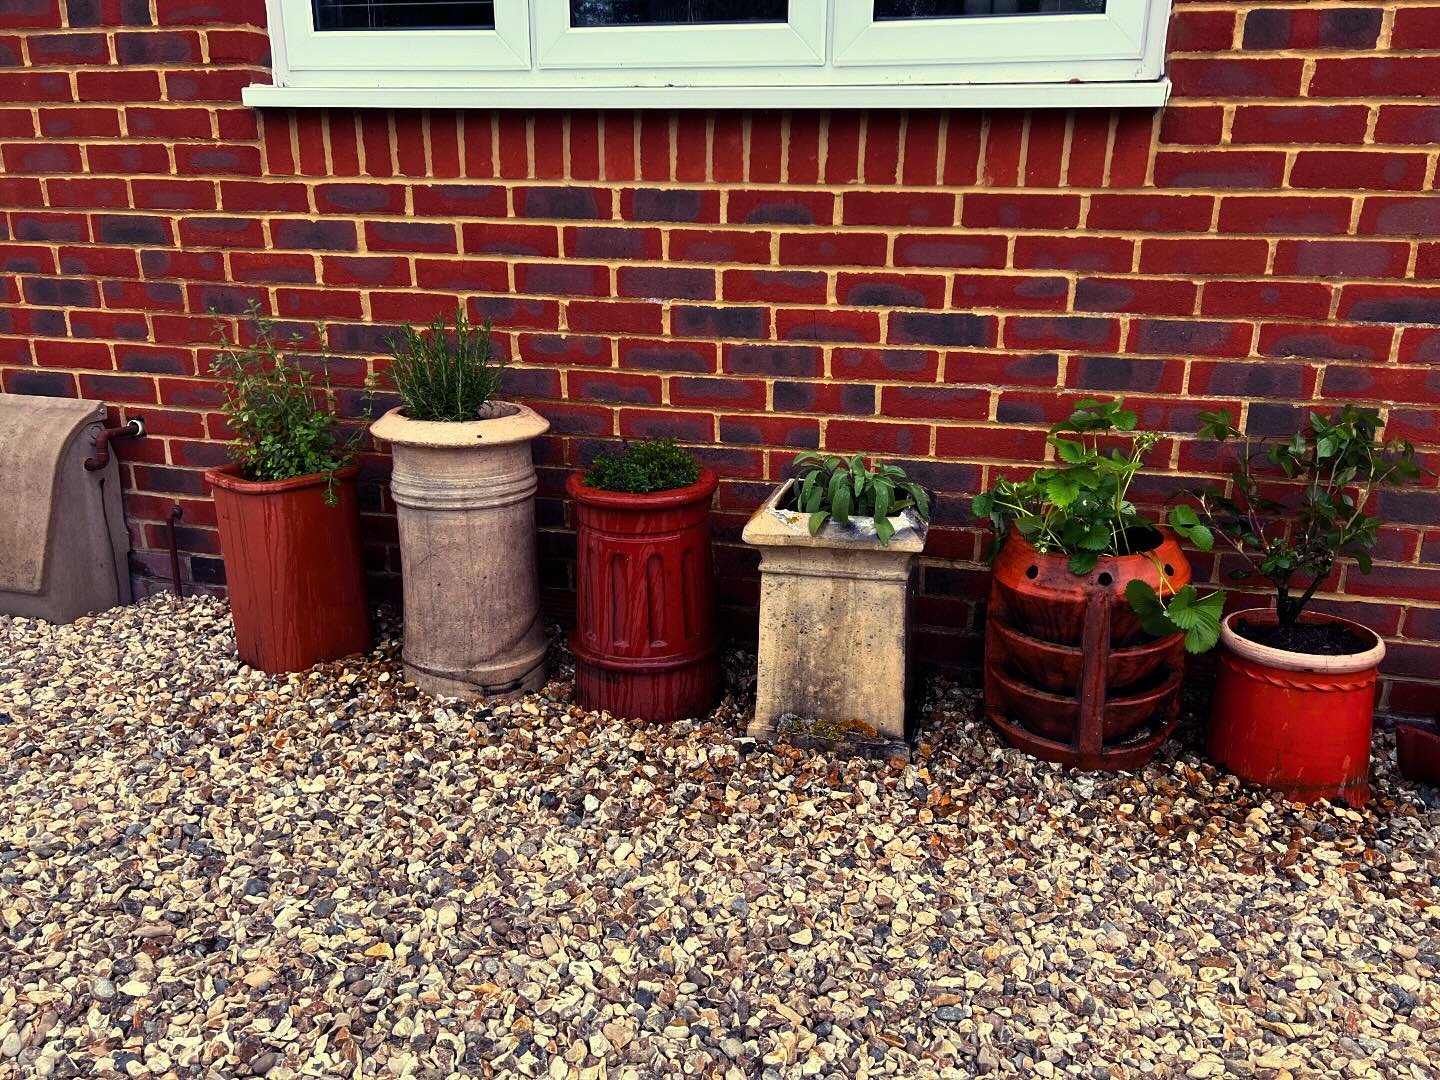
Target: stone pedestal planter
(833, 621)
(465, 497)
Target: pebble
(328, 874)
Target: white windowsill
(1075, 95)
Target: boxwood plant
(1081, 508)
(833, 488)
(644, 467)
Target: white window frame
(799, 41)
(384, 58)
(830, 54)
(993, 41)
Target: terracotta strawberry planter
(1417, 752)
(644, 642)
(1041, 596)
(292, 567)
(1294, 722)
(1070, 676)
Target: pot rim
(1167, 536)
(1154, 693)
(228, 478)
(769, 526)
(1285, 660)
(701, 490)
(1154, 645)
(522, 425)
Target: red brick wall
(929, 286)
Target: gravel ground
(208, 871)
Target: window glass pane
(675, 12)
(959, 9)
(404, 14)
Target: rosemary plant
(446, 372)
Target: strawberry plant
(1081, 508)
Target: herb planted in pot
(1293, 538)
(1294, 699)
(287, 509)
(833, 488)
(1081, 509)
(281, 412)
(644, 467)
(446, 372)
(834, 642)
(645, 643)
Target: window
(955, 9)
(671, 13)
(403, 15)
(716, 53)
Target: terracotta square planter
(293, 567)
(1417, 751)
(834, 610)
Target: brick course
(931, 286)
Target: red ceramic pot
(292, 567)
(1297, 723)
(1417, 752)
(645, 643)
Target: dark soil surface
(1312, 639)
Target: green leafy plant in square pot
(463, 481)
(645, 643)
(1294, 702)
(1091, 606)
(287, 512)
(837, 545)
